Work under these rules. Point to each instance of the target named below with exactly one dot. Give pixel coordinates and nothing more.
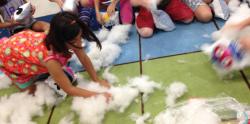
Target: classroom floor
(169, 56)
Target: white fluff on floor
(144, 85)
(19, 108)
(174, 91)
(5, 81)
(92, 110)
(111, 78)
(111, 50)
(67, 119)
(119, 34)
(229, 36)
(195, 111)
(102, 34)
(140, 119)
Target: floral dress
(22, 57)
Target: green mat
(192, 69)
(197, 73)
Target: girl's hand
(104, 83)
(108, 96)
(14, 23)
(33, 9)
(99, 18)
(111, 9)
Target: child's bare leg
(245, 42)
(145, 3)
(145, 32)
(85, 3)
(40, 26)
(203, 13)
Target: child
(7, 9)
(244, 40)
(203, 11)
(28, 54)
(86, 14)
(176, 9)
(126, 11)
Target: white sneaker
(52, 84)
(221, 9)
(162, 20)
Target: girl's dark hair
(64, 27)
(3, 2)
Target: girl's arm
(97, 10)
(9, 24)
(57, 73)
(244, 23)
(111, 7)
(86, 62)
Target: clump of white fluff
(67, 119)
(91, 110)
(140, 119)
(102, 34)
(111, 50)
(104, 57)
(111, 78)
(122, 98)
(174, 91)
(119, 34)
(193, 112)
(19, 108)
(144, 85)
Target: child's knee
(203, 13)
(146, 32)
(207, 1)
(188, 20)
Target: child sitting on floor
(7, 9)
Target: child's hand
(108, 96)
(99, 18)
(33, 9)
(244, 42)
(111, 9)
(104, 83)
(14, 23)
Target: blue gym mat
(220, 22)
(184, 39)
